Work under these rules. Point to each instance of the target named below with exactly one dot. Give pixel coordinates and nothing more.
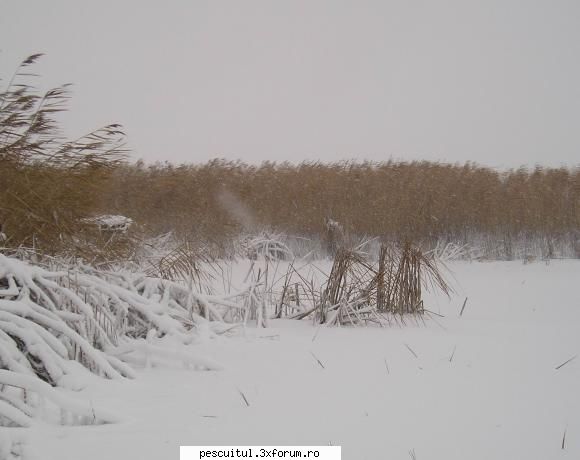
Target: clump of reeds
(400, 278)
(187, 262)
(345, 284)
(358, 291)
(48, 184)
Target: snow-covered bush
(452, 251)
(267, 245)
(59, 324)
(110, 223)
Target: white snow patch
(481, 386)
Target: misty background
(494, 82)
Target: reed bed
(51, 188)
(503, 214)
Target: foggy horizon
(493, 83)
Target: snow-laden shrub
(58, 323)
(453, 251)
(110, 223)
(270, 246)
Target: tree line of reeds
(49, 186)
(418, 201)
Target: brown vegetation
(49, 185)
(420, 201)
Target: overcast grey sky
(492, 81)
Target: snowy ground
(499, 397)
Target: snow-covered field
(480, 386)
